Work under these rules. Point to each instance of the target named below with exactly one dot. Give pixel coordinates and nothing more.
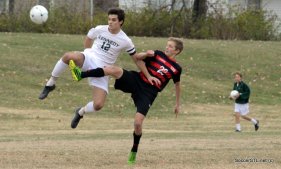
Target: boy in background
(241, 107)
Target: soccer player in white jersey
(103, 45)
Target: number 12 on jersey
(105, 46)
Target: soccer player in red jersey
(161, 65)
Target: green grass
(37, 134)
(28, 59)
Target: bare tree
(173, 5)
(199, 10)
(11, 6)
(199, 13)
(254, 4)
(177, 16)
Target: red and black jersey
(163, 68)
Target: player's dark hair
(178, 42)
(239, 74)
(119, 12)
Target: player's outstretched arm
(178, 91)
(143, 55)
(141, 65)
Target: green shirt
(244, 91)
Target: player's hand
(154, 81)
(150, 53)
(177, 110)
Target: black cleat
(257, 126)
(76, 118)
(238, 131)
(46, 91)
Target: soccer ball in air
(234, 94)
(38, 14)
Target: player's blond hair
(178, 42)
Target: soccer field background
(37, 134)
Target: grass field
(36, 134)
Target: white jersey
(107, 46)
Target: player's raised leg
(77, 74)
(139, 118)
(60, 66)
(99, 97)
(75, 71)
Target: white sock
(58, 69)
(238, 127)
(89, 108)
(81, 111)
(254, 121)
(51, 81)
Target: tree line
(197, 22)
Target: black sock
(136, 142)
(98, 72)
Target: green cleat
(132, 158)
(75, 71)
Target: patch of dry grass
(202, 137)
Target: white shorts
(243, 109)
(91, 63)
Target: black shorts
(143, 94)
